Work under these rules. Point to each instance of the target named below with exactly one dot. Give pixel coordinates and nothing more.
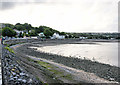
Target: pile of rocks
(13, 73)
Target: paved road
(0, 64)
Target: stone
(22, 74)
(24, 81)
(15, 77)
(112, 79)
(30, 80)
(13, 73)
(19, 79)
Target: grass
(52, 69)
(9, 49)
(68, 76)
(44, 64)
(8, 45)
(29, 59)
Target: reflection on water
(102, 52)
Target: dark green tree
(19, 27)
(48, 33)
(27, 26)
(8, 32)
(0, 31)
(20, 35)
(62, 33)
(9, 25)
(41, 28)
(33, 33)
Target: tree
(41, 28)
(0, 31)
(9, 25)
(62, 33)
(19, 27)
(33, 33)
(8, 32)
(27, 26)
(48, 33)
(20, 35)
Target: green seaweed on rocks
(9, 49)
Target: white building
(18, 32)
(83, 37)
(57, 36)
(41, 34)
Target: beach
(105, 71)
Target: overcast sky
(63, 15)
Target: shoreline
(105, 71)
(60, 49)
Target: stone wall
(13, 73)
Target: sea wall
(13, 73)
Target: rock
(13, 73)
(24, 81)
(13, 69)
(19, 79)
(30, 81)
(11, 79)
(22, 74)
(112, 79)
(15, 77)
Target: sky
(63, 15)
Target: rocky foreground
(13, 73)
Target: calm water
(102, 52)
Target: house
(41, 34)
(57, 36)
(83, 37)
(18, 32)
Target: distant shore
(58, 41)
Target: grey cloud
(8, 5)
